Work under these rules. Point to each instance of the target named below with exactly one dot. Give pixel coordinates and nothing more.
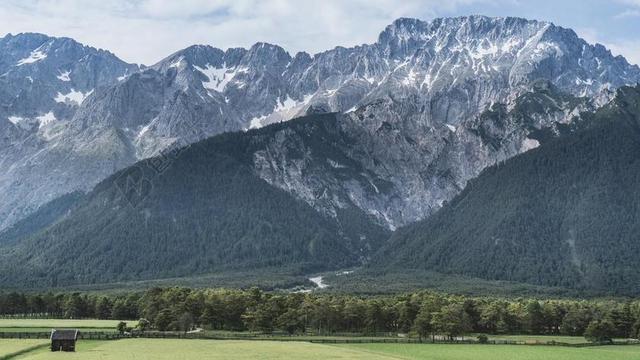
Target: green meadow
(58, 323)
(171, 349)
(175, 349)
(45, 325)
(270, 348)
(497, 352)
(14, 346)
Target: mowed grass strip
(498, 352)
(48, 329)
(538, 338)
(175, 349)
(12, 346)
(60, 323)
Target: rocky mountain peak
(418, 97)
(453, 33)
(198, 55)
(26, 50)
(266, 57)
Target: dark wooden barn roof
(64, 334)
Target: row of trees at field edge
(421, 314)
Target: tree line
(421, 314)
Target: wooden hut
(64, 340)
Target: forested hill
(564, 214)
(41, 218)
(194, 210)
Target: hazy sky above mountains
(144, 31)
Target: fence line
(94, 335)
(37, 316)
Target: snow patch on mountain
(46, 118)
(35, 56)
(145, 129)
(219, 77)
(486, 49)
(257, 122)
(177, 62)
(74, 96)
(284, 110)
(529, 144)
(287, 104)
(64, 76)
(15, 119)
(410, 78)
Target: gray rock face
(40, 74)
(440, 101)
(428, 105)
(43, 82)
(400, 175)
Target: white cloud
(630, 2)
(628, 14)
(632, 11)
(147, 30)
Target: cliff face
(414, 101)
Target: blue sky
(144, 31)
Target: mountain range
(424, 82)
(392, 132)
(564, 214)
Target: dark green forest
(564, 214)
(419, 314)
(196, 210)
(41, 218)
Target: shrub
(483, 339)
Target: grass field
(498, 352)
(45, 325)
(173, 349)
(59, 323)
(48, 329)
(10, 346)
(165, 349)
(539, 338)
